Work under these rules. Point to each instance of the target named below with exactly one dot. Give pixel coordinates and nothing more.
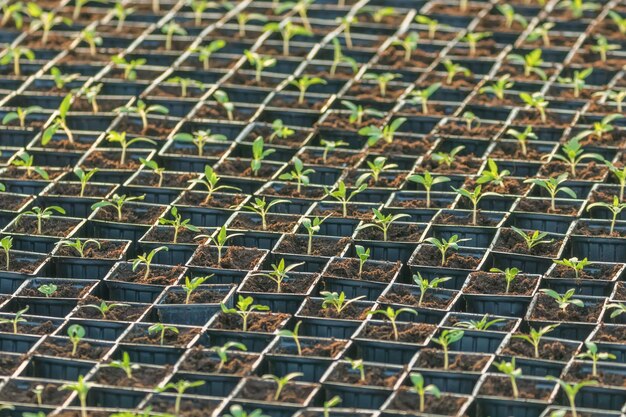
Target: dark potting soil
(257, 322)
(600, 271)
(144, 377)
(500, 386)
(73, 189)
(199, 296)
(291, 285)
(159, 275)
(341, 121)
(446, 405)
(602, 194)
(510, 241)
(547, 308)
(63, 291)
(156, 128)
(587, 230)
(396, 233)
(12, 393)
(107, 250)
(12, 202)
(294, 103)
(374, 376)
(274, 223)
(50, 227)
(260, 390)
(434, 109)
(610, 334)
(140, 335)
(226, 201)
(37, 328)
(63, 349)
(118, 313)
(131, 214)
(290, 190)
(17, 173)
(372, 92)
(591, 171)
(321, 246)
(384, 180)
(461, 165)
(434, 359)
(188, 407)
(77, 413)
(395, 58)
(465, 220)
(8, 364)
(326, 349)
(544, 206)
(456, 128)
(18, 265)
(314, 308)
(509, 186)
(504, 326)
(620, 292)
(421, 203)
(552, 350)
(407, 332)
(349, 268)
(494, 283)
(294, 141)
(352, 212)
(109, 160)
(239, 168)
(578, 373)
(165, 234)
(200, 360)
(67, 145)
(430, 255)
(170, 179)
(234, 257)
(404, 146)
(402, 295)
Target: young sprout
(615, 209)
(304, 83)
(160, 328)
(17, 318)
(573, 154)
(363, 255)
(377, 167)
(298, 174)
(169, 30)
(498, 87)
(483, 324)
(281, 382)
(618, 20)
(82, 389)
(537, 102)
(258, 155)
(294, 335)
(59, 122)
(444, 245)
(564, 300)
(280, 130)
(509, 369)
(379, 13)
(595, 356)
(337, 301)
(146, 260)
(418, 386)
(117, 202)
(431, 24)
(552, 187)
(523, 137)
(511, 17)
(6, 243)
(577, 80)
(427, 181)
(542, 32)
(76, 333)
(446, 338)
(219, 240)
(382, 80)
(531, 62)
(24, 159)
(453, 69)
(392, 315)
(341, 194)
(330, 146)
(117, 137)
(47, 289)
(92, 39)
(472, 39)
(38, 391)
(333, 402)
(387, 133)
(357, 112)
(20, 114)
(262, 208)
(571, 390)
(408, 43)
(474, 197)
(573, 263)
(210, 181)
(287, 32)
(422, 96)
(532, 239)
(41, 215)
(205, 52)
(15, 53)
(279, 273)
(339, 58)
(105, 308)
(222, 353)
(180, 387)
(618, 309)
(446, 158)
(578, 7)
(199, 7)
(469, 118)
(154, 166)
(125, 365)
(79, 246)
(143, 110)
(604, 125)
(382, 222)
(223, 100)
(121, 12)
(244, 308)
(192, 284)
(620, 174)
(357, 365)
(13, 11)
(185, 83)
(130, 67)
(84, 178)
(2, 187)
(243, 18)
(509, 276)
(178, 224)
(237, 411)
(492, 175)
(259, 62)
(424, 285)
(47, 20)
(60, 79)
(312, 227)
